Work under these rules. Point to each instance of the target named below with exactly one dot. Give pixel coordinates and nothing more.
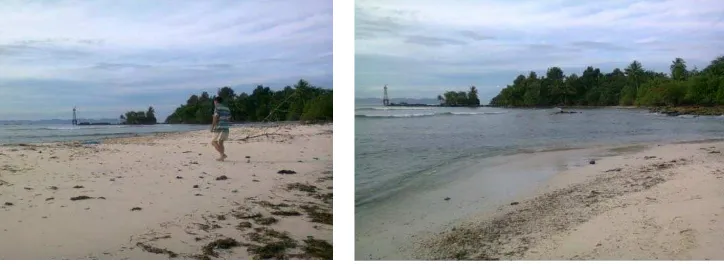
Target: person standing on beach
(220, 126)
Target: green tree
(262, 104)
(678, 69)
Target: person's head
(218, 100)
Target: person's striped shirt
(224, 118)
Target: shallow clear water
(398, 150)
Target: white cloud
(399, 41)
(147, 47)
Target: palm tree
(440, 99)
(634, 72)
(678, 69)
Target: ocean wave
(66, 128)
(93, 135)
(425, 114)
(395, 108)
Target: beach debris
(155, 250)
(265, 220)
(514, 203)
(179, 177)
(113, 179)
(28, 188)
(317, 214)
(101, 198)
(447, 199)
(196, 186)
(714, 152)
(82, 197)
(649, 157)
(248, 157)
(286, 213)
(247, 215)
(287, 172)
(194, 162)
(274, 244)
(223, 243)
(8, 204)
(53, 157)
(243, 225)
(198, 194)
(136, 209)
(612, 170)
(222, 178)
(255, 180)
(317, 249)
(302, 187)
(234, 191)
(49, 199)
(592, 162)
(188, 151)
(78, 187)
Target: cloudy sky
(108, 56)
(420, 48)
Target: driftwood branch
(261, 135)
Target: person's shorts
(221, 136)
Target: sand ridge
(164, 196)
(664, 202)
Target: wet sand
(645, 203)
(166, 197)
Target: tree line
(301, 102)
(460, 98)
(634, 85)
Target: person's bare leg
(222, 150)
(216, 146)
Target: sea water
(408, 159)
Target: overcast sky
(109, 56)
(420, 48)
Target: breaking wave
(424, 114)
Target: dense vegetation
(139, 118)
(461, 98)
(302, 102)
(633, 86)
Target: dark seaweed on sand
(224, 243)
(82, 197)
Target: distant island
(461, 98)
(681, 91)
(448, 99)
(139, 117)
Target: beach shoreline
(163, 196)
(645, 202)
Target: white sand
(157, 174)
(625, 207)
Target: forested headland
(681, 88)
(302, 102)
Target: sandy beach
(649, 202)
(166, 197)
